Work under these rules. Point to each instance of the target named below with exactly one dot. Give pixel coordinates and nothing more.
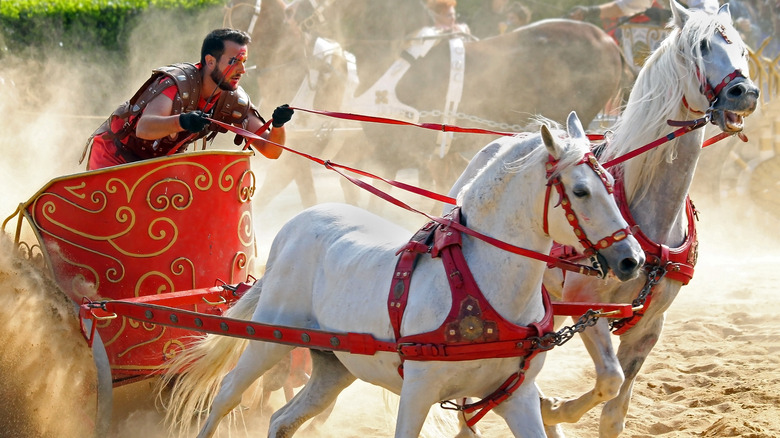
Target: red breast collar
(679, 261)
(473, 329)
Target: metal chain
(562, 336)
(654, 276)
(472, 118)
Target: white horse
(331, 268)
(702, 67)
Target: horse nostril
(742, 89)
(736, 91)
(629, 264)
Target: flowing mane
(668, 75)
(520, 153)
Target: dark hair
(214, 43)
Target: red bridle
(590, 248)
(710, 92)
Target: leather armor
(232, 107)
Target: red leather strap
(679, 261)
(473, 329)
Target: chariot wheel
(764, 182)
(104, 390)
(749, 175)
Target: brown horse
(548, 69)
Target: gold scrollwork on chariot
(638, 41)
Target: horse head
(722, 84)
(586, 204)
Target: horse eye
(580, 192)
(704, 46)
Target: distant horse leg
(258, 358)
(274, 380)
(634, 347)
(279, 175)
(609, 377)
(304, 179)
(328, 378)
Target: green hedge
(29, 25)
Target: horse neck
(508, 207)
(657, 182)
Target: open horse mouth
(730, 121)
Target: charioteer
(172, 109)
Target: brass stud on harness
(305, 337)
(174, 318)
(149, 314)
(277, 334)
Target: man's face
(228, 70)
(445, 18)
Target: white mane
(519, 153)
(667, 75)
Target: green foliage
(29, 25)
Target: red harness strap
(473, 329)
(678, 263)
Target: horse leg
(634, 348)
(258, 358)
(522, 413)
(418, 394)
(609, 377)
(328, 378)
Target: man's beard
(221, 81)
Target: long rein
(683, 128)
(551, 261)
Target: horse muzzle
(735, 102)
(622, 259)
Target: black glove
(282, 114)
(194, 121)
(591, 14)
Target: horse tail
(192, 380)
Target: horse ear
(574, 126)
(725, 10)
(553, 148)
(679, 14)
